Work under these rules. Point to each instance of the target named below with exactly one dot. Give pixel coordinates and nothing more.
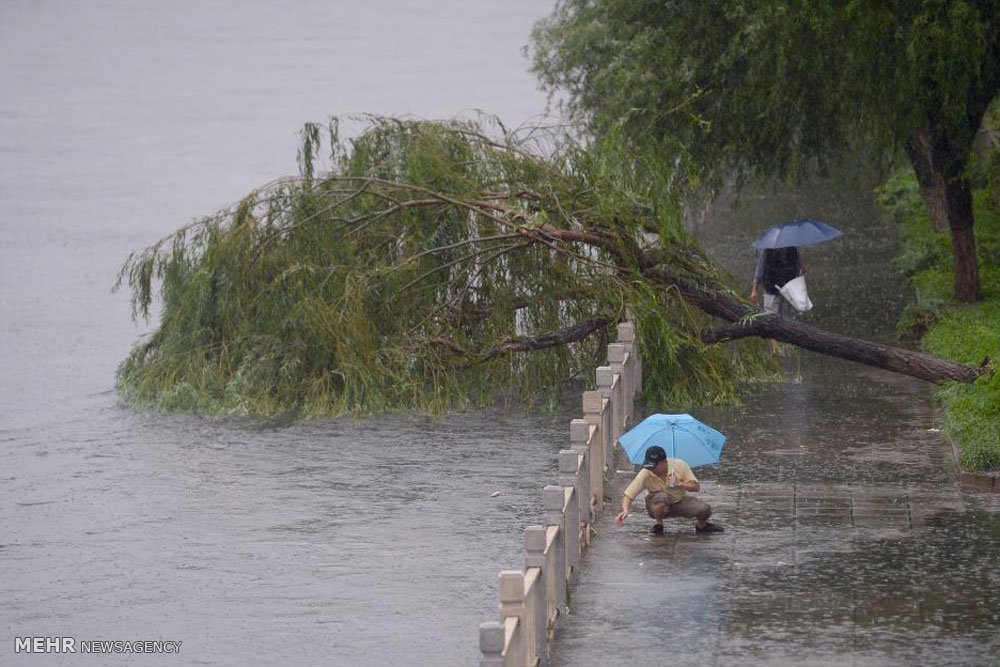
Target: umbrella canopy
(681, 436)
(796, 233)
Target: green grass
(969, 333)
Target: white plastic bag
(795, 293)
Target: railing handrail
(513, 655)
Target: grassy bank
(948, 328)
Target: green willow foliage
(772, 88)
(429, 267)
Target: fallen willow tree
(440, 265)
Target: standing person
(775, 266)
(667, 482)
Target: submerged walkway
(848, 542)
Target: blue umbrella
(796, 233)
(681, 436)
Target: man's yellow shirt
(648, 480)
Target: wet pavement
(848, 539)
(838, 550)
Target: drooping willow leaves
(426, 266)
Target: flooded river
(254, 544)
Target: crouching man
(667, 482)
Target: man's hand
(626, 505)
(754, 293)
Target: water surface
(328, 543)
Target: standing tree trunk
(963, 240)
(931, 182)
(940, 170)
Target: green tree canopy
(752, 88)
(442, 265)
(417, 272)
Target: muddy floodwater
(251, 543)
(848, 541)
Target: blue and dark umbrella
(796, 233)
(681, 436)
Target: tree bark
(786, 330)
(963, 240)
(745, 321)
(929, 179)
(570, 334)
(940, 162)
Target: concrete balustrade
(533, 617)
(555, 586)
(605, 390)
(632, 366)
(596, 412)
(491, 644)
(514, 654)
(536, 598)
(554, 501)
(533, 602)
(617, 358)
(569, 479)
(519, 641)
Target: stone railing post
(491, 644)
(569, 477)
(579, 437)
(605, 386)
(554, 500)
(581, 477)
(571, 509)
(534, 538)
(593, 408)
(512, 606)
(626, 336)
(637, 369)
(626, 333)
(616, 360)
(512, 594)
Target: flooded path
(848, 540)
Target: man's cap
(654, 455)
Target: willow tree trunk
(929, 179)
(963, 240)
(787, 330)
(744, 321)
(940, 168)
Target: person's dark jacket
(780, 266)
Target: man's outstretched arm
(626, 505)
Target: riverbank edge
(971, 479)
(935, 318)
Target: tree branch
(571, 334)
